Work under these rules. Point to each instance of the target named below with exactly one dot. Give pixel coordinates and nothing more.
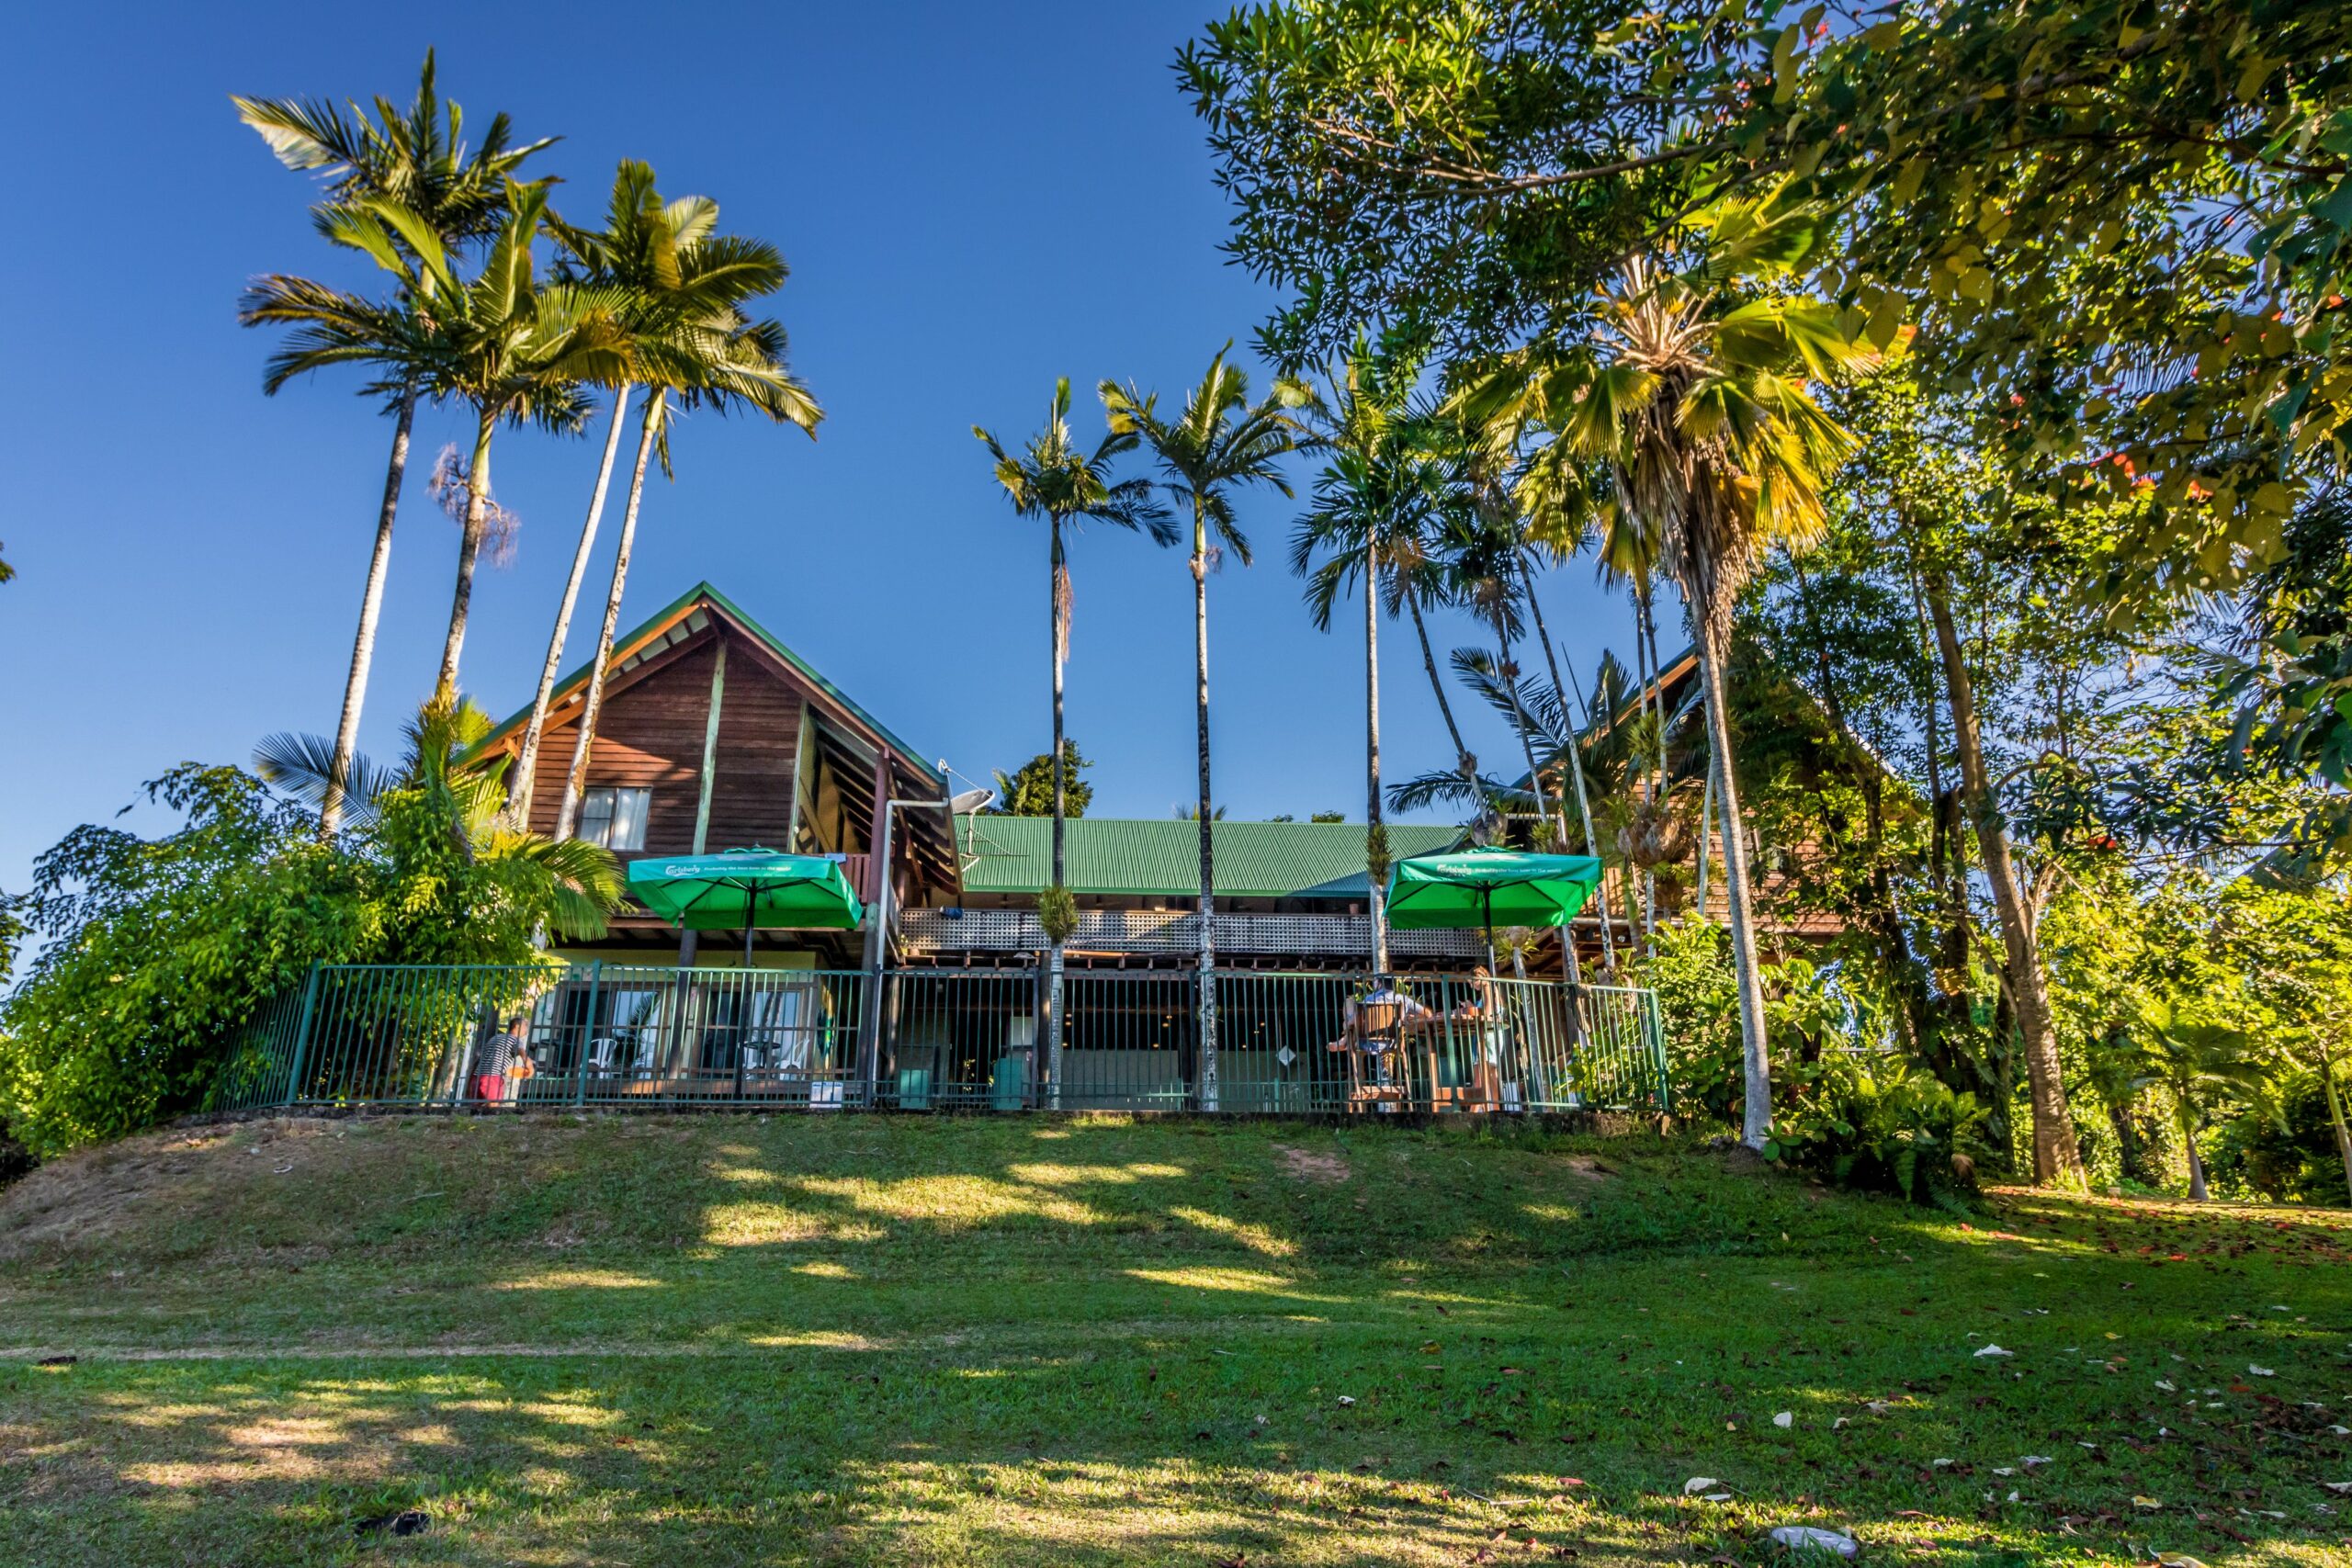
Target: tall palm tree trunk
(444, 689)
(2055, 1156)
(575, 777)
(1208, 975)
(371, 609)
(1375, 834)
(1756, 1122)
(1575, 761)
(1058, 584)
(1429, 662)
(2336, 1119)
(2187, 1116)
(527, 758)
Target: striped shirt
(498, 1054)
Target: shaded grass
(945, 1341)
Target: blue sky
(974, 200)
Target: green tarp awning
(1484, 888)
(746, 888)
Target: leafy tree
(1218, 444)
(1327, 816)
(160, 951)
(1055, 478)
(1473, 169)
(414, 157)
(2132, 220)
(2291, 948)
(439, 825)
(1028, 790)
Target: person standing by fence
(497, 1077)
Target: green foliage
(2134, 219)
(161, 950)
(1698, 998)
(1056, 912)
(1873, 1122)
(1475, 168)
(1327, 816)
(1028, 790)
(1861, 1116)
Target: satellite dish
(970, 801)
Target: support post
(303, 1035)
(878, 927)
(587, 1035)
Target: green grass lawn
(918, 1341)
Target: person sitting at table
(1384, 993)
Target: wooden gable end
(652, 734)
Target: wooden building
(716, 736)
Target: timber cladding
(650, 737)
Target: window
(615, 818)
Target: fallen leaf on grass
(2260, 1372)
(2151, 1504)
(1786, 1419)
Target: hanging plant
(1058, 913)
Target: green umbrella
(1477, 887)
(748, 888)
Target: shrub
(162, 950)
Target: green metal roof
(1154, 858)
(624, 644)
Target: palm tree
(1698, 402)
(1055, 478)
(416, 158)
(583, 883)
(1220, 444)
(1377, 488)
(679, 289)
(510, 351)
(2194, 1059)
(634, 262)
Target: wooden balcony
(933, 932)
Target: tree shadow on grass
(868, 1341)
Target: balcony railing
(631, 1035)
(931, 933)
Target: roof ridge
(709, 593)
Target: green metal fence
(616, 1034)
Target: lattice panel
(1169, 930)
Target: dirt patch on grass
(1312, 1165)
(1590, 1166)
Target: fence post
(1657, 1050)
(587, 1036)
(302, 1034)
